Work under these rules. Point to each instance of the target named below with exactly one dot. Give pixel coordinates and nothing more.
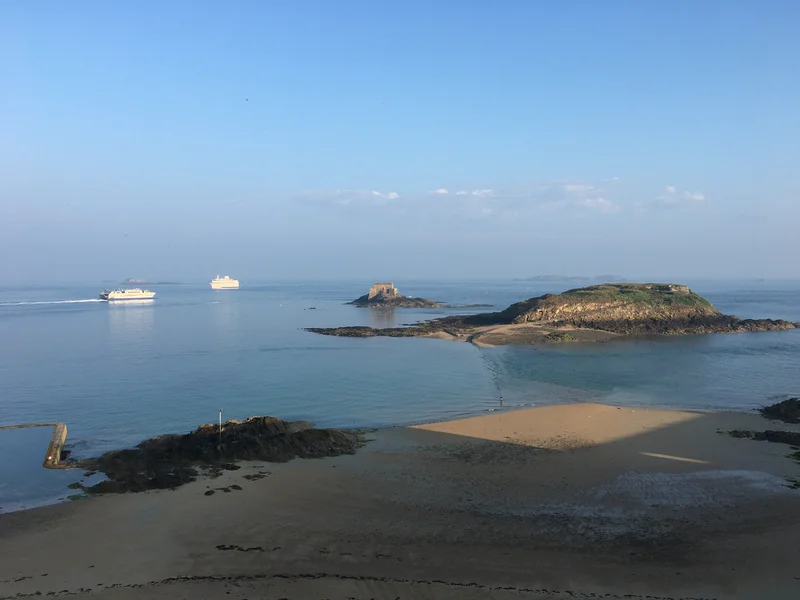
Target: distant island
(134, 281)
(591, 314)
(386, 295)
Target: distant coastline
(573, 278)
(135, 281)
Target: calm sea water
(119, 373)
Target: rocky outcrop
(397, 301)
(633, 309)
(168, 461)
(385, 295)
(628, 309)
(787, 411)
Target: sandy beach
(554, 502)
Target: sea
(120, 373)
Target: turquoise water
(119, 373)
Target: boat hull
(224, 283)
(127, 295)
(140, 299)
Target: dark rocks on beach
(787, 411)
(779, 437)
(257, 476)
(168, 461)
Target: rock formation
(168, 461)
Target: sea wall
(54, 450)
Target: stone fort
(387, 290)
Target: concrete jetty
(55, 449)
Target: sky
(417, 139)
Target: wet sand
(550, 502)
(523, 333)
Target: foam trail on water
(50, 302)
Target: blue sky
(318, 139)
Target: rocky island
(386, 295)
(595, 313)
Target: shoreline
(80, 465)
(573, 498)
(520, 334)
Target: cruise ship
(224, 283)
(127, 294)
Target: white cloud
(577, 187)
(671, 198)
(348, 197)
(601, 204)
(498, 203)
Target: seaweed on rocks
(787, 411)
(168, 461)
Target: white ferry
(224, 283)
(127, 294)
